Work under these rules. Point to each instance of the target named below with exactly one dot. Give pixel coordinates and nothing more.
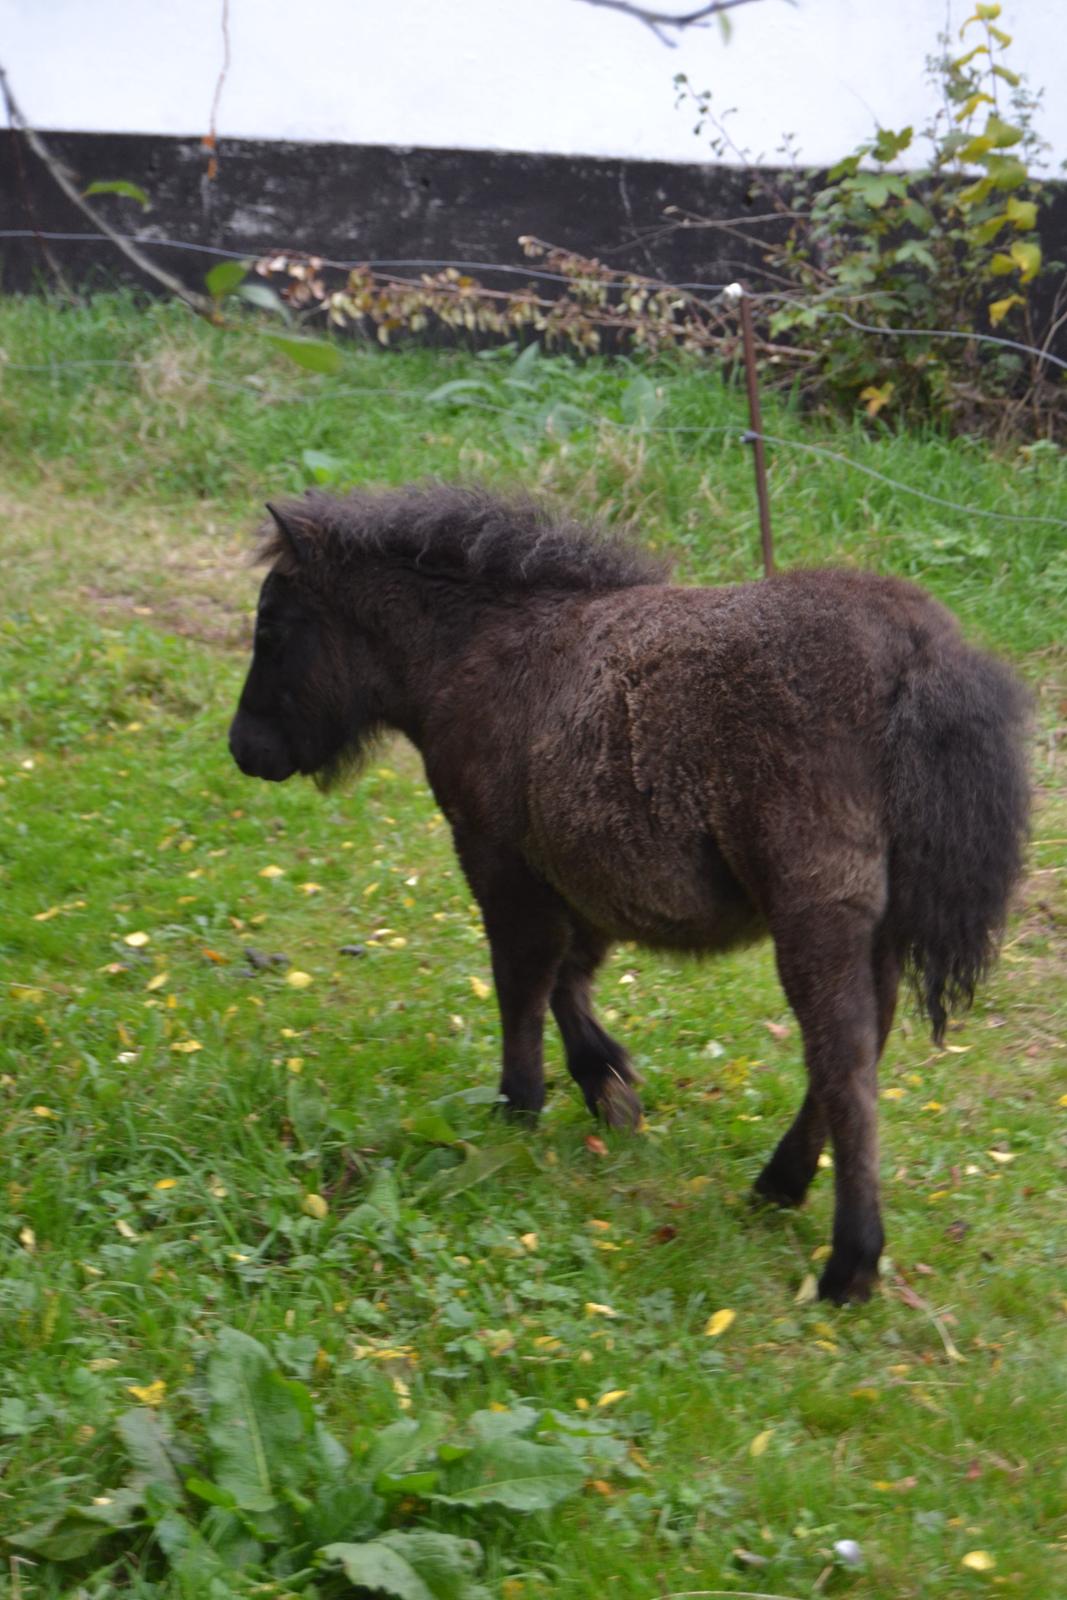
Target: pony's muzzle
(258, 750)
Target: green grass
(152, 1195)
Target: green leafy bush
(265, 1494)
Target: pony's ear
(293, 533)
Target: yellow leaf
(46, 916)
(166, 1183)
(126, 1231)
(30, 996)
(719, 1322)
(398, 943)
(299, 980)
(1026, 253)
(1062, 1100)
(933, 1105)
(612, 1396)
(876, 399)
(978, 1561)
(313, 1205)
(28, 1240)
(529, 1241)
(158, 981)
(149, 1394)
(893, 1094)
(480, 988)
(598, 1225)
(295, 1064)
(187, 1047)
(136, 940)
(593, 1309)
(760, 1442)
(272, 872)
(998, 309)
(311, 888)
(1003, 1156)
(1021, 213)
(45, 1113)
(808, 1291)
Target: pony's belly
(674, 900)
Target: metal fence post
(736, 294)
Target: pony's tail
(958, 812)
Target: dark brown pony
(819, 757)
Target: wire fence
(1039, 353)
(729, 296)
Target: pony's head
(313, 699)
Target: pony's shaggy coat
(818, 756)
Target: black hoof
(847, 1283)
(618, 1104)
(779, 1189)
(518, 1116)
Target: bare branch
(196, 302)
(659, 21)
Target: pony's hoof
(516, 1115)
(767, 1192)
(618, 1104)
(843, 1284)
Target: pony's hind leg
(826, 959)
(597, 1062)
(786, 1178)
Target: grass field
(194, 1142)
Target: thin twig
(212, 140)
(659, 21)
(196, 302)
(47, 254)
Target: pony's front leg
(528, 931)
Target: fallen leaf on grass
(718, 1323)
(978, 1561)
(271, 872)
(136, 940)
(480, 988)
(149, 1394)
(594, 1309)
(595, 1145)
(299, 980)
(760, 1442)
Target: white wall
(549, 75)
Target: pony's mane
(504, 543)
